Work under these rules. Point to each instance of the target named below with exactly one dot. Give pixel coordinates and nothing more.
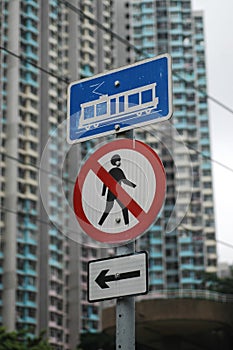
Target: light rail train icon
(128, 104)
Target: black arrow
(101, 279)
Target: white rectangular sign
(118, 276)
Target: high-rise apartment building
(45, 44)
(179, 257)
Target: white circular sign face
(138, 170)
(119, 191)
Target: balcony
(154, 254)
(185, 240)
(186, 253)
(93, 317)
(172, 259)
(188, 280)
(156, 268)
(28, 319)
(55, 263)
(187, 266)
(172, 272)
(156, 281)
(33, 3)
(156, 241)
(29, 288)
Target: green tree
(38, 343)
(19, 340)
(221, 285)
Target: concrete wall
(185, 323)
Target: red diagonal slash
(117, 190)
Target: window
(31, 312)
(101, 109)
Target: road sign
(117, 277)
(120, 100)
(119, 191)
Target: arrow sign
(102, 278)
(118, 276)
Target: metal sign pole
(125, 312)
(140, 106)
(125, 307)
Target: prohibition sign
(143, 215)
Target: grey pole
(125, 312)
(125, 306)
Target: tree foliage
(19, 340)
(221, 285)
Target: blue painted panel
(141, 93)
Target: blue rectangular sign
(120, 100)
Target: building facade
(179, 257)
(44, 46)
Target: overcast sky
(218, 17)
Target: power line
(210, 158)
(197, 151)
(140, 51)
(37, 167)
(32, 63)
(102, 27)
(50, 223)
(120, 39)
(147, 130)
(36, 218)
(227, 244)
(125, 42)
(72, 182)
(20, 57)
(199, 89)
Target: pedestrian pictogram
(119, 191)
(120, 177)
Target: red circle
(146, 219)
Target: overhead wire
(48, 172)
(22, 58)
(140, 51)
(124, 41)
(208, 157)
(128, 44)
(36, 218)
(51, 224)
(101, 26)
(72, 182)
(202, 154)
(227, 244)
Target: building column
(10, 234)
